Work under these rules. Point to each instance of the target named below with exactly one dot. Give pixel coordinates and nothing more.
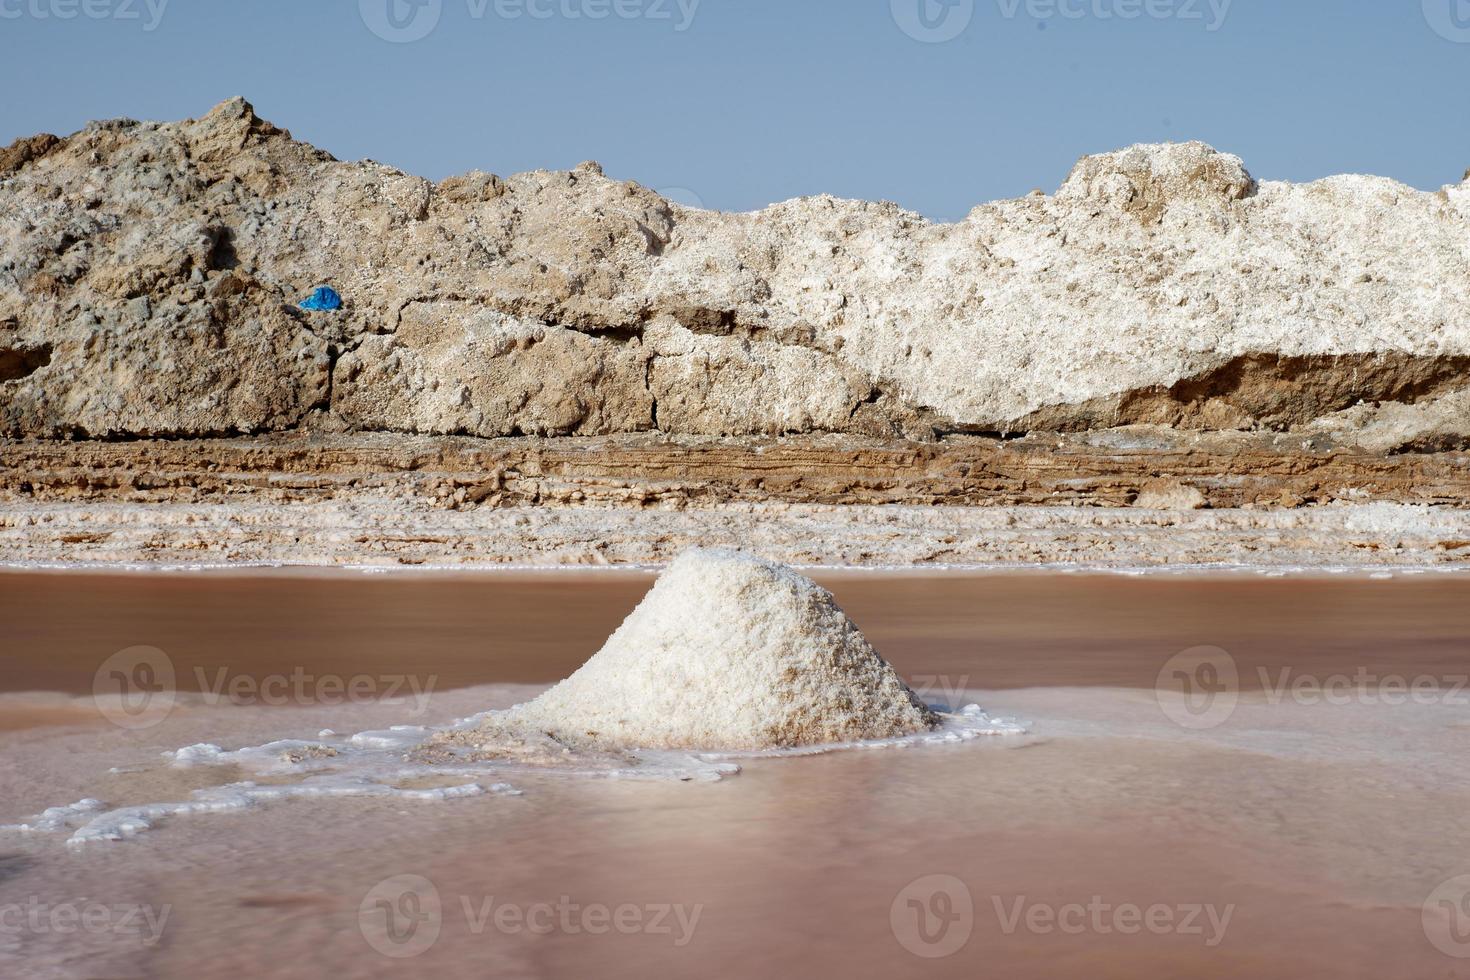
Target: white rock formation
(730, 652)
(149, 274)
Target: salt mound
(731, 652)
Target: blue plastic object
(322, 298)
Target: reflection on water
(1297, 837)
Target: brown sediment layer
(1266, 391)
(1102, 470)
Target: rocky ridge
(149, 275)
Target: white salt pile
(729, 652)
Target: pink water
(1300, 837)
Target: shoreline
(1125, 501)
(1199, 572)
(382, 536)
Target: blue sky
(935, 104)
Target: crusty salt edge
(126, 822)
(369, 762)
(966, 725)
(57, 817)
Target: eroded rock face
(454, 368)
(149, 275)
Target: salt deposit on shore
(394, 532)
